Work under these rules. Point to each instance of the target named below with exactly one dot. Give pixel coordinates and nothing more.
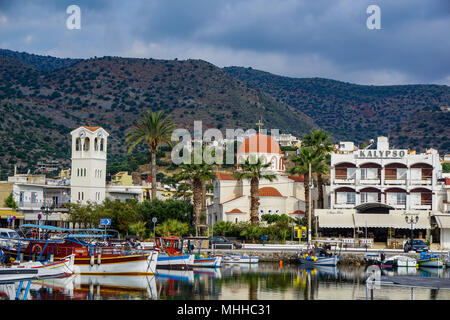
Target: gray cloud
(321, 38)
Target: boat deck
(440, 283)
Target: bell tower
(88, 175)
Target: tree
(172, 227)
(222, 228)
(254, 171)
(301, 163)
(153, 129)
(319, 141)
(10, 203)
(198, 174)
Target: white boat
(236, 258)
(38, 270)
(430, 261)
(403, 261)
(208, 262)
(319, 261)
(134, 264)
(181, 261)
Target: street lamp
(154, 231)
(412, 221)
(47, 211)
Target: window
(86, 144)
(96, 144)
(33, 197)
(77, 144)
(84, 172)
(351, 197)
(102, 142)
(401, 198)
(369, 173)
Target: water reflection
(234, 282)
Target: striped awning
(443, 221)
(396, 221)
(5, 213)
(336, 220)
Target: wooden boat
(171, 254)
(428, 260)
(236, 258)
(37, 270)
(208, 262)
(403, 262)
(90, 258)
(318, 260)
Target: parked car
(6, 235)
(221, 242)
(417, 246)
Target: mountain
(39, 108)
(413, 116)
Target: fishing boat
(403, 262)
(207, 262)
(90, 256)
(37, 270)
(312, 260)
(428, 260)
(237, 258)
(171, 255)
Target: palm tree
(254, 171)
(198, 174)
(153, 129)
(302, 160)
(321, 144)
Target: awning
(5, 213)
(336, 220)
(396, 221)
(443, 221)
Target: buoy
(92, 261)
(99, 258)
(281, 263)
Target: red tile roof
(91, 128)
(299, 178)
(259, 143)
(231, 199)
(235, 210)
(269, 192)
(298, 212)
(225, 176)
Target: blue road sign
(105, 222)
(8, 218)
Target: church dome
(259, 143)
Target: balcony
(344, 179)
(422, 205)
(423, 181)
(393, 180)
(370, 181)
(38, 205)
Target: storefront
(10, 218)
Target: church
(284, 195)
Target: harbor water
(263, 281)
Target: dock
(424, 282)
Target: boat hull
(181, 262)
(431, 263)
(212, 262)
(321, 261)
(144, 264)
(240, 259)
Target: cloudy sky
(297, 38)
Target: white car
(6, 235)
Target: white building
(232, 200)
(88, 174)
(378, 187)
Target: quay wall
(290, 256)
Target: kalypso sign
(380, 154)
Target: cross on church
(259, 124)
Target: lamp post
(47, 211)
(154, 231)
(412, 221)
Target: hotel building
(376, 188)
